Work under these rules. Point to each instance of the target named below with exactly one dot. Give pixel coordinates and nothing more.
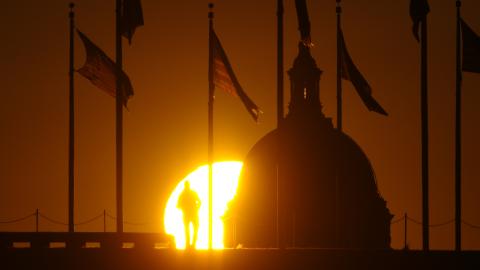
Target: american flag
(224, 78)
(102, 72)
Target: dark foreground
(150, 251)
(136, 258)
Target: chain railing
(406, 218)
(37, 215)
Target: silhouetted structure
(307, 184)
(189, 203)
(327, 192)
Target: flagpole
(339, 68)
(280, 113)
(424, 116)
(71, 134)
(458, 139)
(211, 89)
(339, 116)
(119, 120)
(280, 12)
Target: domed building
(306, 184)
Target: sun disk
(225, 182)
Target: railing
(110, 239)
(406, 219)
(84, 240)
(38, 239)
(39, 215)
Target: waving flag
(471, 49)
(132, 17)
(351, 73)
(225, 79)
(102, 72)
(303, 22)
(418, 11)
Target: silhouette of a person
(189, 203)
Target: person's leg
(195, 231)
(186, 224)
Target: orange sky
(165, 132)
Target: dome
(322, 182)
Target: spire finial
(210, 13)
(339, 7)
(71, 5)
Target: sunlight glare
(225, 182)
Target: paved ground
(149, 258)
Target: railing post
(405, 231)
(104, 221)
(234, 233)
(294, 217)
(37, 214)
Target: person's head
(187, 185)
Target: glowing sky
(165, 134)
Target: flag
(132, 17)
(418, 11)
(351, 73)
(303, 22)
(225, 79)
(471, 49)
(103, 72)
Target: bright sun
(225, 182)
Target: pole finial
(339, 7)
(280, 8)
(459, 3)
(210, 13)
(71, 6)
